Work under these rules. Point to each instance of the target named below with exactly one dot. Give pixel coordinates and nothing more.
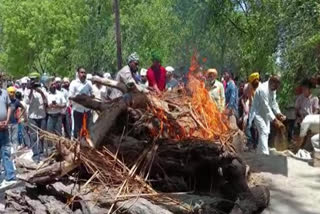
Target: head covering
(143, 72)
(34, 75)
(107, 75)
(11, 89)
(66, 79)
(89, 76)
(170, 69)
(212, 71)
(24, 80)
(57, 79)
(155, 56)
(133, 57)
(253, 77)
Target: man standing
(65, 93)
(5, 112)
(56, 102)
(14, 117)
(216, 89)
(264, 110)
(251, 87)
(156, 74)
(143, 75)
(80, 86)
(171, 82)
(246, 101)
(306, 103)
(128, 75)
(36, 98)
(231, 95)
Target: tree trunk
(118, 33)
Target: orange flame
(210, 122)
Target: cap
(107, 75)
(24, 80)
(170, 69)
(34, 75)
(57, 79)
(66, 79)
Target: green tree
(39, 34)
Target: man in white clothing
(264, 110)
(36, 98)
(56, 102)
(77, 87)
(65, 93)
(310, 126)
(128, 75)
(100, 92)
(143, 75)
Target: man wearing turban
(128, 75)
(215, 88)
(265, 110)
(156, 74)
(251, 86)
(246, 102)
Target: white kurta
(263, 110)
(312, 123)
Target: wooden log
(110, 112)
(51, 172)
(201, 166)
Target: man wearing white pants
(264, 110)
(311, 124)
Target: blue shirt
(14, 104)
(232, 96)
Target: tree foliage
(39, 34)
(269, 36)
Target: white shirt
(264, 104)
(124, 76)
(100, 93)
(77, 88)
(59, 99)
(65, 94)
(310, 122)
(36, 104)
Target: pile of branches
(159, 153)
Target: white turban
(24, 80)
(66, 79)
(133, 57)
(170, 69)
(107, 75)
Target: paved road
(294, 184)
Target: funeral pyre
(146, 153)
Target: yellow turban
(253, 77)
(11, 89)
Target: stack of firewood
(146, 154)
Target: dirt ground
(294, 184)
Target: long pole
(118, 33)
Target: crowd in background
(43, 102)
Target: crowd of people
(43, 102)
